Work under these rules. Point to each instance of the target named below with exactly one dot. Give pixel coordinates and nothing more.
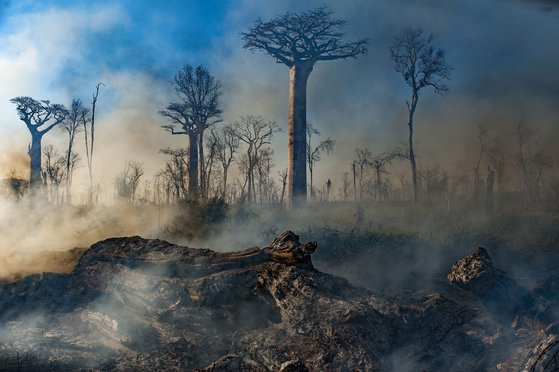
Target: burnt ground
(132, 303)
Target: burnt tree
(77, 116)
(299, 41)
(40, 117)
(421, 66)
(90, 138)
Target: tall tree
(198, 92)
(421, 66)
(90, 138)
(40, 117)
(314, 154)
(299, 41)
(77, 115)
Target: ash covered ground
(368, 298)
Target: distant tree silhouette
(40, 117)
(314, 154)
(421, 66)
(255, 132)
(74, 122)
(299, 41)
(90, 138)
(197, 109)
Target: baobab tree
(299, 41)
(40, 117)
(198, 109)
(314, 154)
(421, 66)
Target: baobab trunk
(297, 135)
(193, 165)
(35, 177)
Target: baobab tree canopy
(309, 36)
(299, 41)
(40, 117)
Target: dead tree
(283, 180)
(175, 172)
(73, 123)
(128, 180)
(263, 166)
(363, 160)
(40, 117)
(212, 143)
(379, 164)
(314, 153)
(421, 66)
(198, 109)
(299, 41)
(227, 146)
(255, 132)
(90, 139)
(54, 170)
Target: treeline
(233, 161)
(508, 172)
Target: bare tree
(379, 164)
(54, 170)
(255, 132)
(212, 143)
(73, 123)
(90, 139)
(362, 162)
(283, 180)
(228, 145)
(40, 117)
(299, 41)
(175, 171)
(198, 109)
(263, 165)
(421, 66)
(128, 180)
(314, 153)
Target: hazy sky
(504, 53)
